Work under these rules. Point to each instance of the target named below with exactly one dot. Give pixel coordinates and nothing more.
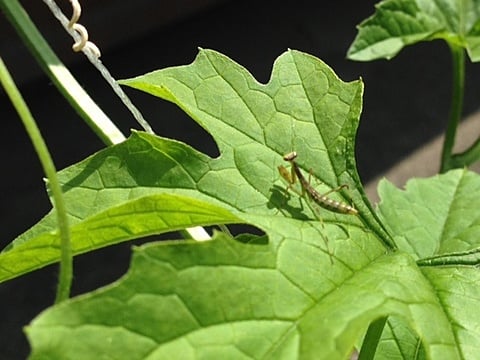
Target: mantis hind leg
(344, 186)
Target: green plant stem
(468, 157)
(458, 65)
(467, 258)
(372, 337)
(66, 266)
(59, 74)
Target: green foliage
(440, 211)
(398, 23)
(247, 297)
(404, 277)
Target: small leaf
(399, 341)
(398, 23)
(434, 216)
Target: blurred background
(406, 104)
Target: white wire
(92, 52)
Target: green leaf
(457, 291)
(227, 299)
(433, 217)
(304, 107)
(399, 341)
(398, 23)
(143, 216)
(437, 221)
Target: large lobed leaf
(399, 23)
(310, 291)
(224, 299)
(304, 107)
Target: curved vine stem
(66, 257)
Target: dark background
(405, 104)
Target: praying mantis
(320, 199)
